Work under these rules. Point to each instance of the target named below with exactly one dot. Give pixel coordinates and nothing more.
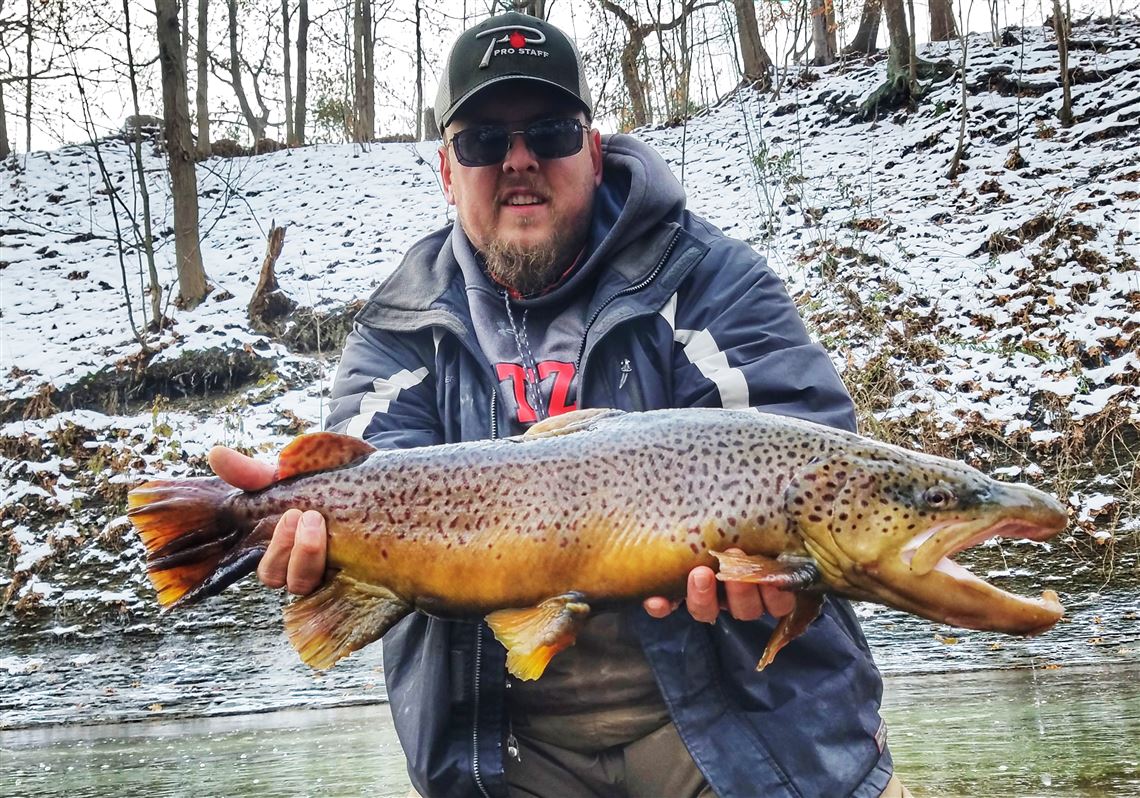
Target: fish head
(884, 524)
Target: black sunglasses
(488, 144)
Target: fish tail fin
(195, 544)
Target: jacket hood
(638, 192)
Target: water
(1064, 732)
(214, 701)
(346, 751)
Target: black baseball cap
(510, 46)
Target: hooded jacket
(679, 315)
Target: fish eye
(939, 497)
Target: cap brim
(458, 104)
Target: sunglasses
(488, 144)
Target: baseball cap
(509, 46)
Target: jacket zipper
(475, 710)
(479, 642)
(494, 413)
(633, 289)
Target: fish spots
(384, 553)
(693, 546)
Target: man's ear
(596, 155)
(445, 175)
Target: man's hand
(745, 602)
(296, 554)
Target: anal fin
(533, 635)
(343, 616)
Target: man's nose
(520, 157)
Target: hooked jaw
(946, 591)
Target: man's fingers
(273, 570)
(307, 560)
(779, 602)
(238, 470)
(659, 606)
(701, 597)
(744, 601)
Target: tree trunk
(5, 147)
(201, 97)
(866, 38)
(757, 62)
(28, 89)
(823, 32)
(1061, 27)
(942, 25)
(287, 73)
(192, 287)
(256, 125)
(638, 106)
(898, 53)
(155, 290)
(302, 70)
(419, 106)
(364, 110)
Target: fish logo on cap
(518, 39)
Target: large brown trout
(596, 507)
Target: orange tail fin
(196, 547)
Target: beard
(528, 269)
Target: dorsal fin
(320, 451)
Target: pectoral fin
(791, 626)
(786, 572)
(574, 421)
(532, 636)
(342, 616)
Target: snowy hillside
(995, 317)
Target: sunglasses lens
(555, 138)
(481, 146)
(488, 144)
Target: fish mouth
(970, 601)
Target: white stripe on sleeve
(379, 399)
(702, 351)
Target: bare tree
(632, 52)
(942, 25)
(956, 167)
(5, 146)
(756, 62)
(823, 32)
(147, 242)
(201, 97)
(867, 36)
(192, 286)
(286, 71)
(363, 72)
(904, 68)
(1061, 28)
(256, 123)
(302, 73)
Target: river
(215, 702)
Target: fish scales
(569, 513)
(597, 507)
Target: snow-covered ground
(995, 316)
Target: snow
(1004, 300)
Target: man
(574, 277)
